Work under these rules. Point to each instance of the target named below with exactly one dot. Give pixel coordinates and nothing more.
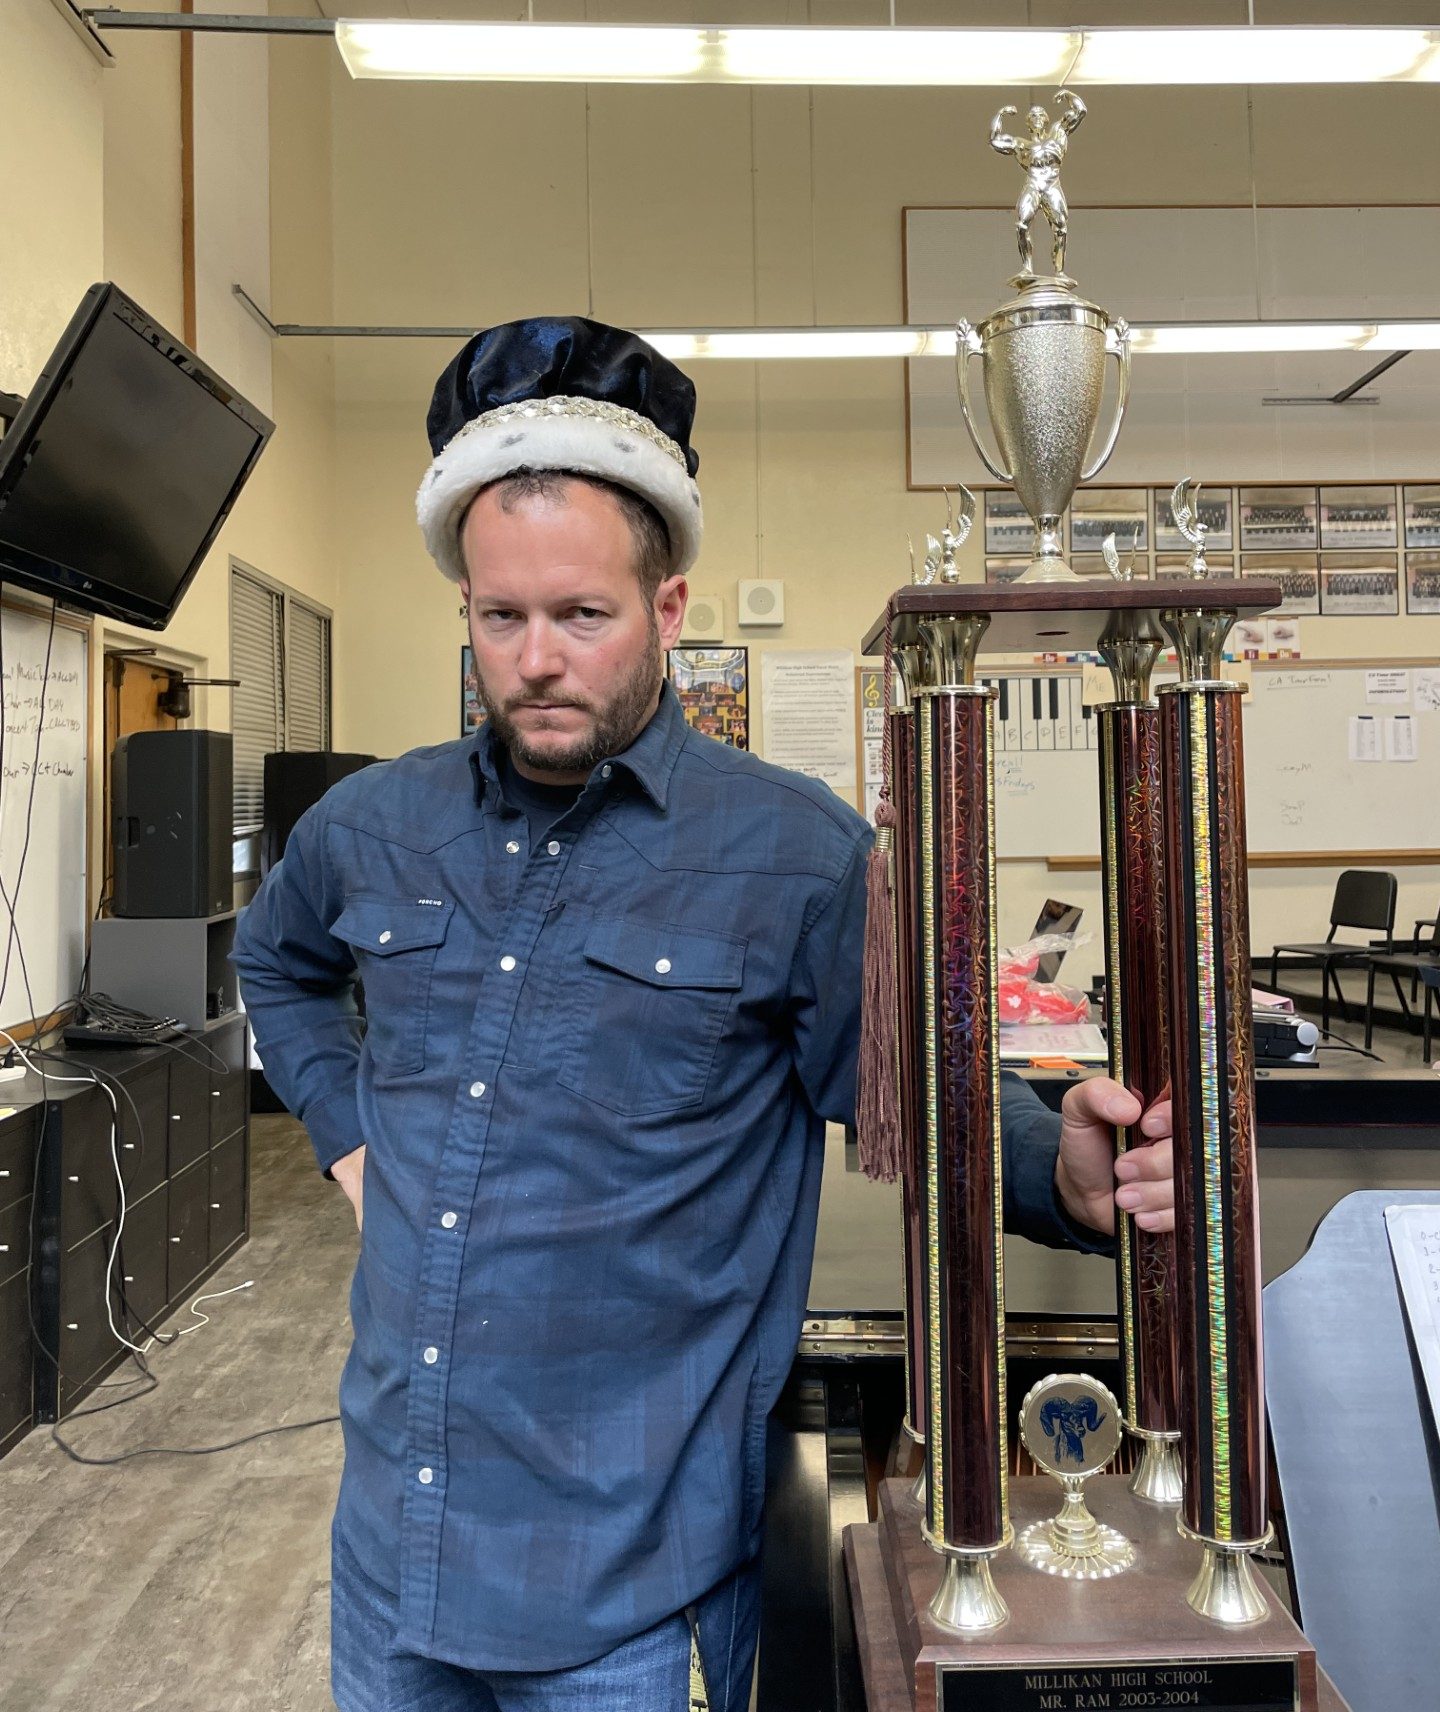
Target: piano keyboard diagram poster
(713, 685)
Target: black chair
(1364, 898)
(1422, 966)
(1415, 946)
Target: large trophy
(1043, 353)
(972, 1590)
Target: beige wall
(98, 196)
(458, 205)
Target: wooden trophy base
(1125, 1644)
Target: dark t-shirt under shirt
(542, 805)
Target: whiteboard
(1201, 264)
(43, 777)
(1303, 793)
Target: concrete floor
(196, 1584)
(201, 1584)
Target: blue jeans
(650, 1673)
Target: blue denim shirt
(592, 1086)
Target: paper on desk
(1414, 1234)
(1082, 1041)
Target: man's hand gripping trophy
(1040, 155)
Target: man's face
(1037, 117)
(568, 653)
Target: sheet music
(1414, 1234)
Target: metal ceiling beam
(1348, 394)
(215, 23)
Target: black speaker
(170, 795)
(294, 780)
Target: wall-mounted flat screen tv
(121, 465)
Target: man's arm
(298, 984)
(1059, 1172)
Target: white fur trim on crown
(591, 436)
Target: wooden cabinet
(181, 1139)
(189, 1110)
(18, 1132)
(17, 1409)
(229, 1193)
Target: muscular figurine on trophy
(1041, 155)
(1043, 353)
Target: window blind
(307, 678)
(257, 658)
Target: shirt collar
(650, 759)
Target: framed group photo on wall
(713, 685)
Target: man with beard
(612, 975)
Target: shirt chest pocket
(395, 942)
(653, 1005)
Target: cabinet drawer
(141, 1266)
(81, 1129)
(86, 1341)
(17, 1156)
(189, 1242)
(228, 1099)
(190, 1104)
(14, 1241)
(16, 1367)
(144, 1131)
(227, 1193)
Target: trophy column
(1211, 1050)
(1132, 865)
(966, 1501)
(912, 1163)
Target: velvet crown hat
(560, 393)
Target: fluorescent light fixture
(760, 344)
(522, 53)
(764, 343)
(1336, 55)
(1253, 336)
(631, 53)
(896, 57)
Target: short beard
(615, 724)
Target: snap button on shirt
(385, 937)
(507, 964)
(663, 966)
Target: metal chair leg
(1400, 994)
(1370, 1008)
